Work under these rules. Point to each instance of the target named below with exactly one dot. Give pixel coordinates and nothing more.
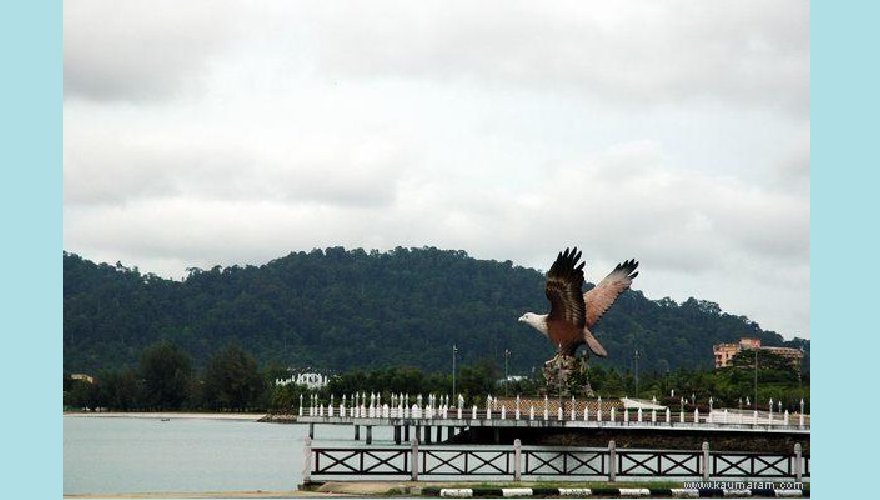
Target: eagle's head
(538, 321)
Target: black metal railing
(530, 461)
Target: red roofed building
(724, 353)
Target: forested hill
(337, 309)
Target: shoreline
(248, 417)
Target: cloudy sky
(677, 132)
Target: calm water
(128, 455)
(106, 455)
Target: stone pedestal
(567, 376)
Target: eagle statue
(573, 312)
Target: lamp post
(637, 373)
(756, 378)
(506, 374)
(559, 373)
(666, 382)
(454, 352)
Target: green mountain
(338, 309)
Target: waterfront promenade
(429, 419)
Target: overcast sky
(677, 133)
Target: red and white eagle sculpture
(572, 312)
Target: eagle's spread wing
(567, 316)
(565, 281)
(600, 298)
(593, 343)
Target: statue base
(567, 376)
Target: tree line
(341, 310)
(233, 380)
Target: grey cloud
(681, 220)
(793, 170)
(116, 167)
(645, 52)
(141, 50)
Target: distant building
(511, 378)
(724, 353)
(310, 380)
(83, 377)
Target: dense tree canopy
(166, 372)
(232, 380)
(339, 310)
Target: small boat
(165, 419)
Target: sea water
(127, 455)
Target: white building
(310, 380)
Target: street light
(756, 379)
(559, 373)
(637, 373)
(454, 351)
(506, 374)
(666, 382)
